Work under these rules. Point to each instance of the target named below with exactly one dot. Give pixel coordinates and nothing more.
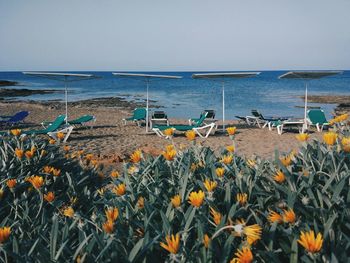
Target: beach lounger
(81, 121)
(263, 121)
(318, 118)
(159, 118)
(197, 127)
(139, 115)
(289, 124)
(15, 119)
(210, 118)
(54, 128)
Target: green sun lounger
(139, 115)
(55, 127)
(197, 127)
(317, 118)
(81, 121)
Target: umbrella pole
(66, 95)
(305, 108)
(223, 106)
(147, 86)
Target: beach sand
(112, 141)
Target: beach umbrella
(307, 76)
(223, 77)
(63, 77)
(147, 78)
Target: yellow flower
(345, 141)
(49, 197)
(251, 163)
(286, 160)
(172, 243)
(115, 174)
(4, 233)
(230, 148)
(190, 135)
(136, 156)
(169, 155)
(253, 233)
(176, 201)
(36, 181)
(119, 189)
(274, 217)
(231, 130)
(169, 132)
(112, 214)
(210, 185)
(101, 191)
(242, 198)
(132, 169)
(302, 137)
(206, 241)
(330, 138)
(279, 177)
(11, 183)
(19, 153)
(29, 154)
(141, 202)
(243, 256)
(169, 147)
(108, 227)
(66, 148)
(56, 172)
(220, 172)
(47, 169)
(309, 242)
(60, 135)
(196, 198)
(227, 159)
(68, 211)
(289, 216)
(52, 141)
(16, 132)
(216, 216)
(341, 118)
(346, 148)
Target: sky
(174, 35)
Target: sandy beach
(112, 141)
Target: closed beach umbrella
(307, 76)
(222, 77)
(147, 78)
(63, 77)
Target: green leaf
(135, 250)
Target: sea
(187, 97)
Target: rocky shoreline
(342, 102)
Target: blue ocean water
(186, 97)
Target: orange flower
(89, 156)
(216, 216)
(52, 141)
(309, 242)
(220, 172)
(108, 227)
(302, 137)
(190, 135)
(274, 217)
(169, 155)
(36, 181)
(141, 202)
(49, 197)
(68, 211)
(231, 130)
(253, 233)
(176, 201)
(169, 147)
(242, 198)
(114, 174)
(29, 154)
(112, 214)
(11, 183)
(47, 169)
(169, 132)
(172, 243)
(286, 160)
(289, 216)
(136, 156)
(119, 189)
(330, 138)
(196, 198)
(4, 234)
(230, 148)
(66, 148)
(16, 132)
(60, 135)
(56, 172)
(243, 256)
(210, 185)
(206, 241)
(227, 159)
(279, 177)
(19, 153)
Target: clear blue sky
(174, 35)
